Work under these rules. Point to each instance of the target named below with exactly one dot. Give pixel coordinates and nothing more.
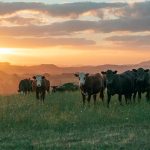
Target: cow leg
(48, 90)
(148, 96)
(120, 99)
(25, 92)
(43, 96)
(134, 96)
(102, 95)
(139, 96)
(94, 97)
(83, 98)
(37, 95)
(108, 99)
(126, 99)
(130, 98)
(89, 98)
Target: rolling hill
(53, 69)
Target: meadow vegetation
(63, 123)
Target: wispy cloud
(43, 42)
(135, 41)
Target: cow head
(82, 77)
(38, 80)
(141, 74)
(109, 75)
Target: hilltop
(53, 69)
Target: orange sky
(78, 34)
(70, 57)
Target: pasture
(63, 123)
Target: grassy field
(62, 123)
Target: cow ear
(87, 74)
(76, 74)
(103, 72)
(147, 70)
(134, 70)
(115, 72)
(34, 77)
(43, 77)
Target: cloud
(57, 10)
(43, 42)
(135, 10)
(131, 41)
(125, 24)
(19, 21)
(73, 26)
(132, 18)
(29, 28)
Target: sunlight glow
(6, 51)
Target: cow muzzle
(38, 85)
(81, 84)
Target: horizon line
(80, 65)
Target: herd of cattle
(41, 85)
(128, 84)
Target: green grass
(63, 123)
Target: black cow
(143, 82)
(25, 86)
(132, 75)
(54, 89)
(47, 83)
(90, 85)
(65, 87)
(121, 84)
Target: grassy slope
(62, 123)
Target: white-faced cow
(90, 85)
(41, 85)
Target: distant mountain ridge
(55, 70)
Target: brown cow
(41, 85)
(91, 85)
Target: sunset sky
(74, 32)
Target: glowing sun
(6, 51)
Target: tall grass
(63, 123)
